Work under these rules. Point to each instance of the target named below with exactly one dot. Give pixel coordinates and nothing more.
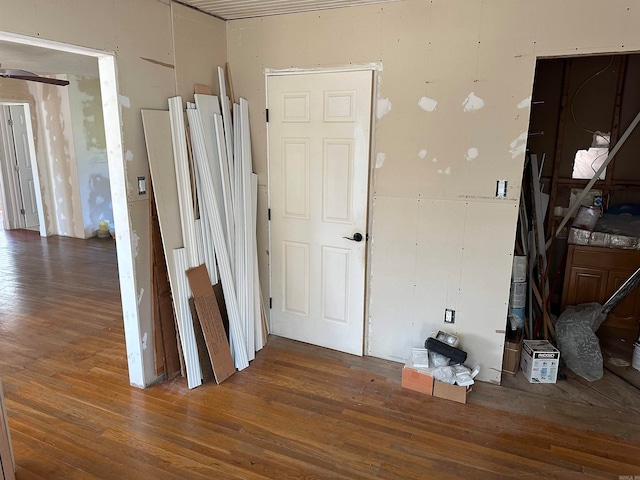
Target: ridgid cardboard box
(539, 361)
(418, 379)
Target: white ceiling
(45, 61)
(235, 9)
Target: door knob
(357, 237)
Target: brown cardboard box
(455, 393)
(511, 358)
(413, 379)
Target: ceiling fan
(31, 77)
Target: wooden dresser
(592, 274)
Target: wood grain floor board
(298, 412)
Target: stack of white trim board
(206, 200)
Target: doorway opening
(579, 237)
(141, 373)
(20, 191)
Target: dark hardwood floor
(298, 411)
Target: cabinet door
(625, 315)
(586, 284)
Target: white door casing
(25, 166)
(319, 149)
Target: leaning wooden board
(210, 319)
(7, 463)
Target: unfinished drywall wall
(89, 141)
(55, 156)
(57, 131)
(452, 119)
(24, 92)
(139, 33)
(199, 43)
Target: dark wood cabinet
(592, 274)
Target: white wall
(440, 238)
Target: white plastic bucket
(636, 355)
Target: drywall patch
(472, 103)
(140, 294)
(93, 120)
(99, 199)
(383, 107)
(380, 158)
(422, 153)
(434, 160)
(134, 243)
(128, 156)
(525, 103)
(446, 171)
(144, 341)
(472, 154)
(124, 101)
(518, 146)
(427, 104)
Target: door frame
(141, 365)
(17, 220)
(375, 68)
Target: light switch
(501, 188)
(142, 185)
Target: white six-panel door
(25, 166)
(319, 137)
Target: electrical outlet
(449, 316)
